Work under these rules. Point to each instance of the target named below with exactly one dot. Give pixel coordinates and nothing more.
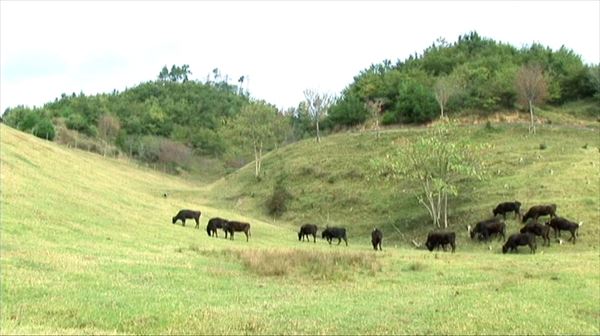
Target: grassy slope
(334, 183)
(87, 247)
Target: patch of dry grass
(318, 265)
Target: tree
(375, 106)
(174, 153)
(257, 126)
(177, 73)
(44, 129)
(164, 74)
(436, 163)
(318, 104)
(108, 129)
(443, 89)
(531, 87)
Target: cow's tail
(249, 233)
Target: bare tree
(318, 103)
(443, 89)
(108, 129)
(374, 106)
(531, 87)
(171, 152)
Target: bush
(415, 104)
(44, 129)
(278, 202)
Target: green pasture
(87, 245)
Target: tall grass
(316, 265)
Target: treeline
(164, 121)
(172, 118)
(472, 74)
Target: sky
(281, 47)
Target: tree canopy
(483, 69)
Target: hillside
(334, 182)
(87, 246)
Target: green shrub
(44, 129)
(278, 202)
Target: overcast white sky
(49, 47)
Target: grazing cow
(232, 226)
(505, 207)
(487, 228)
(540, 210)
(562, 224)
(519, 239)
(308, 230)
(334, 232)
(377, 239)
(435, 239)
(184, 214)
(538, 229)
(213, 225)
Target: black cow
(538, 229)
(540, 210)
(505, 207)
(308, 230)
(485, 229)
(562, 224)
(335, 232)
(377, 239)
(519, 239)
(232, 226)
(184, 214)
(435, 239)
(213, 225)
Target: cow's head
(173, 220)
(299, 236)
(429, 245)
(504, 248)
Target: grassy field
(334, 182)
(87, 246)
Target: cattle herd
(482, 231)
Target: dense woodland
(173, 118)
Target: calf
(232, 226)
(307, 230)
(377, 239)
(435, 239)
(562, 224)
(487, 228)
(334, 232)
(519, 239)
(505, 207)
(538, 229)
(184, 214)
(213, 225)
(540, 210)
